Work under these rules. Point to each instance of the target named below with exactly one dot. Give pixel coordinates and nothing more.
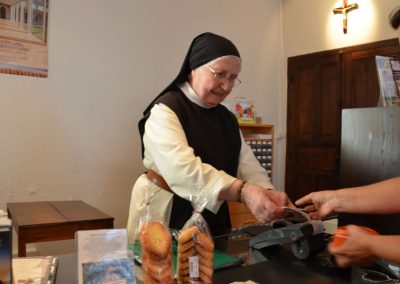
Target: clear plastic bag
(155, 247)
(196, 246)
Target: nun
(191, 143)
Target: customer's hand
(321, 204)
(354, 251)
(266, 205)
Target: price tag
(194, 267)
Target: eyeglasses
(223, 77)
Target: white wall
(74, 135)
(313, 27)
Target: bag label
(194, 267)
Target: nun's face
(214, 82)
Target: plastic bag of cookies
(155, 248)
(195, 248)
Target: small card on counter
(103, 257)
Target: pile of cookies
(156, 246)
(195, 256)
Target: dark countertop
(275, 264)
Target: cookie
(184, 272)
(182, 257)
(205, 241)
(204, 253)
(160, 273)
(155, 259)
(187, 279)
(159, 270)
(206, 270)
(148, 280)
(186, 246)
(188, 234)
(205, 279)
(156, 239)
(206, 261)
(183, 265)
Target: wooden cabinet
(260, 137)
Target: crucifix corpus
(344, 10)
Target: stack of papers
(40, 269)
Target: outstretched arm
(377, 198)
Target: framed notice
(23, 37)
(389, 80)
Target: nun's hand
(266, 205)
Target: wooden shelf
(257, 129)
(260, 137)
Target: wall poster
(23, 37)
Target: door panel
(330, 102)
(313, 124)
(315, 157)
(305, 102)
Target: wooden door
(313, 123)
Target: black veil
(204, 48)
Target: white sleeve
(250, 169)
(168, 153)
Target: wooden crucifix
(344, 10)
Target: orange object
(341, 234)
